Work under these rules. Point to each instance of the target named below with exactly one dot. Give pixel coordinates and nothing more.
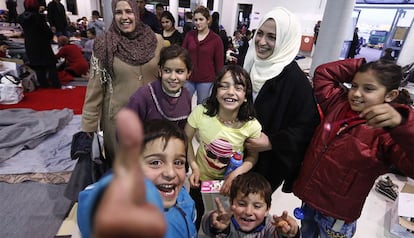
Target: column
(405, 57)
(332, 33)
(107, 13)
(174, 10)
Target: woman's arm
(93, 98)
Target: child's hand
(195, 177)
(220, 218)
(381, 115)
(123, 208)
(258, 144)
(286, 224)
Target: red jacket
(207, 56)
(340, 168)
(74, 58)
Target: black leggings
(198, 199)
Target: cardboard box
(210, 189)
(403, 213)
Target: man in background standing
(12, 12)
(148, 17)
(56, 15)
(96, 23)
(159, 9)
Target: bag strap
(11, 78)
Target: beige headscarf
(288, 38)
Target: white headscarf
(288, 38)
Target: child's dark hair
(390, 75)
(157, 128)
(169, 16)
(92, 31)
(172, 52)
(251, 182)
(241, 77)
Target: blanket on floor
(25, 128)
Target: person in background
(123, 59)
(56, 16)
(354, 44)
(42, 5)
(188, 24)
(250, 201)
(388, 55)
(159, 9)
(166, 98)
(316, 31)
(3, 49)
(207, 54)
(39, 52)
(74, 65)
(11, 6)
(96, 23)
(169, 33)
(124, 204)
(76, 39)
(284, 100)
(231, 54)
(223, 122)
(148, 17)
(244, 47)
(88, 48)
(365, 132)
(215, 22)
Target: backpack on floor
(28, 78)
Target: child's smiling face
(366, 91)
(230, 96)
(249, 211)
(164, 165)
(174, 73)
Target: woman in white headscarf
(284, 100)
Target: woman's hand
(258, 144)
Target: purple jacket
(150, 102)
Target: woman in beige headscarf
(124, 59)
(284, 101)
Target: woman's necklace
(227, 122)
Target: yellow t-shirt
(219, 142)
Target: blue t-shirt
(90, 196)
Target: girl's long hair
(241, 77)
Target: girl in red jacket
(365, 131)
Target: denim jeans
(316, 224)
(203, 90)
